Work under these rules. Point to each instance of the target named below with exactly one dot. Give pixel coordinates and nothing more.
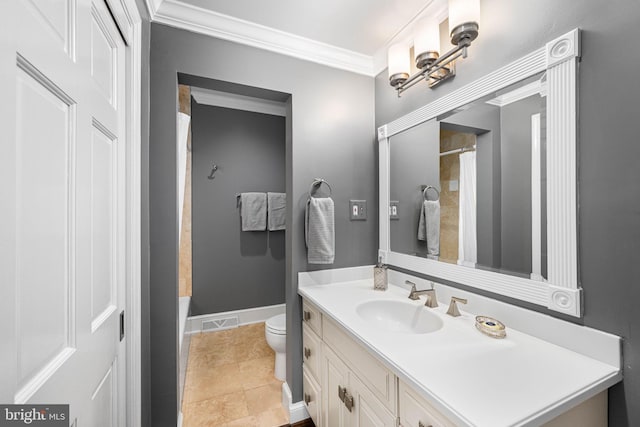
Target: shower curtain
(467, 235)
(183, 132)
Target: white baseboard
(244, 317)
(297, 411)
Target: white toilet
(275, 331)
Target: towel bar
(425, 189)
(317, 182)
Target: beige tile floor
(230, 381)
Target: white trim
(179, 424)
(297, 411)
(204, 21)
(536, 199)
(564, 299)
(238, 102)
(133, 302)
(561, 292)
(245, 317)
(516, 95)
(562, 197)
(563, 49)
(152, 7)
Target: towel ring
(318, 182)
(424, 192)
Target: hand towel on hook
(429, 226)
(319, 227)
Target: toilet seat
(277, 324)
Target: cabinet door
(367, 409)
(414, 411)
(335, 377)
(311, 348)
(312, 396)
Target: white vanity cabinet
(312, 361)
(348, 401)
(344, 386)
(546, 372)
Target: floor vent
(219, 324)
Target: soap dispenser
(380, 282)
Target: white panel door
(62, 193)
(368, 410)
(335, 377)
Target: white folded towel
(319, 230)
(253, 210)
(429, 226)
(277, 211)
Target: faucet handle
(412, 294)
(453, 308)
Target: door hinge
(121, 325)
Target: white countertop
(471, 378)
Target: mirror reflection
(469, 187)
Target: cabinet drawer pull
(307, 398)
(306, 315)
(342, 391)
(307, 353)
(348, 401)
(420, 424)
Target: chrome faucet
(432, 302)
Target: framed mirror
(479, 187)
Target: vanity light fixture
(464, 19)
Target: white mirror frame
(561, 291)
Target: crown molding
(152, 7)
(181, 15)
(238, 102)
(534, 88)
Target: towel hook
(426, 189)
(213, 171)
(317, 182)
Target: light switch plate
(393, 209)
(357, 210)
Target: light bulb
(399, 64)
(464, 20)
(426, 43)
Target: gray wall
(608, 151)
(232, 269)
(414, 161)
(330, 133)
(515, 122)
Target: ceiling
(362, 26)
(352, 35)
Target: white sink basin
(399, 316)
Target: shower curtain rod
(458, 150)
